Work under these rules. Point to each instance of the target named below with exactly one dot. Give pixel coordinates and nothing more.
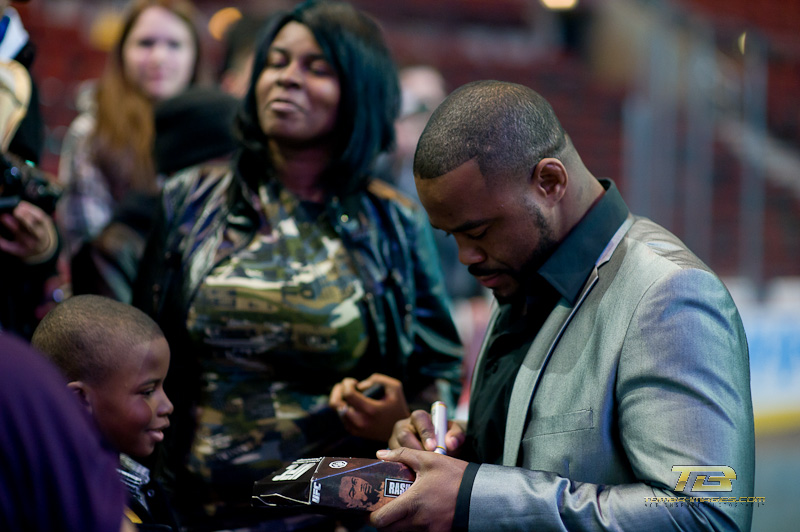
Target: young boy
(115, 359)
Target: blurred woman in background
(107, 152)
(290, 271)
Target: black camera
(20, 181)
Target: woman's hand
(369, 418)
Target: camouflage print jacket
(208, 214)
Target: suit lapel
(542, 348)
(531, 369)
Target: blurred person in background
(15, 44)
(29, 241)
(106, 157)
(423, 88)
(290, 281)
(237, 61)
(191, 127)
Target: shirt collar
(133, 474)
(568, 267)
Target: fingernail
(382, 453)
(430, 443)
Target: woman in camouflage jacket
(278, 276)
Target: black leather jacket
(208, 214)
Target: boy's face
(130, 407)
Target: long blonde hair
(124, 135)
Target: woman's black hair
(353, 44)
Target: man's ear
(82, 392)
(550, 179)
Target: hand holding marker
(439, 418)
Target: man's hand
(366, 417)
(430, 503)
(33, 233)
(417, 432)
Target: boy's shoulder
(149, 507)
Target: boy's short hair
(86, 334)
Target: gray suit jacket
(648, 370)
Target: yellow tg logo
(701, 483)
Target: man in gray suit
(613, 389)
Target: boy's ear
(81, 391)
